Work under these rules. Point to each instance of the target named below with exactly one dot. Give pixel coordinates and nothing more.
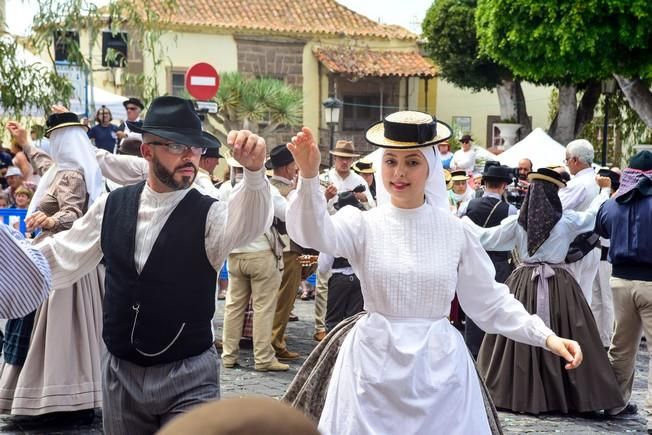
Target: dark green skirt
(530, 379)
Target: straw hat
(363, 166)
(408, 129)
(548, 175)
(344, 148)
(459, 176)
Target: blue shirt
(105, 137)
(628, 227)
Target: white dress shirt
(580, 191)
(352, 181)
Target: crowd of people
(139, 239)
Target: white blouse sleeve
(246, 215)
(490, 304)
(121, 169)
(583, 222)
(309, 224)
(499, 238)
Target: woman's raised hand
(306, 153)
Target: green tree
(27, 87)
(261, 105)
(451, 41)
(570, 44)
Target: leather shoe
(287, 355)
(293, 318)
(229, 365)
(319, 335)
(274, 366)
(630, 409)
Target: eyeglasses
(178, 149)
(132, 108)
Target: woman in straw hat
(523, 378)
(56, 366)
(402, 366)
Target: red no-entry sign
(202, 81)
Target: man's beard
(166, 177)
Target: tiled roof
(286, 17)
(375, 63)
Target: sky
(407, 13)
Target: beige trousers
(633, 313)
(287, 293)
(251, 275)
(321, 300)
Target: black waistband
(633, 271)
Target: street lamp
(608, 88)
(332, 107)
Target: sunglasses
(178, 149)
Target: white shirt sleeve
(309, 224)
(490, 304)
(498, 238)
(279, 202)
(324, 262)
(73, 253)
(121, 169)
(583, 222)
(246, 215)
(572, 196)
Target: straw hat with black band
(548, 175)
(459, 176)
(407, 130)
(175, 119)
(363, 167)
(61, 120)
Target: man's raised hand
(306, 153)
(248, 149)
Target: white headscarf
(435, 188)
(71, 150)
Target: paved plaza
(244, 380)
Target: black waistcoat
(164, 314)
(478, 211)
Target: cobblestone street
(244, 380)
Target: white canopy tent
(538, 147)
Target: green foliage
(567, 41)
(259, 104)
(143, 22)
(25, 87)
(449, 27)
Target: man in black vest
(488, 211)
(162, 242)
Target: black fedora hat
(135, 101)
(347, 198)
(175, 119)
(61, 120)
(279, 156)
(498, 173)
(212, 152)
(545, 174)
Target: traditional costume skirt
(62, 371)
(373, 374)
(529, 379)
